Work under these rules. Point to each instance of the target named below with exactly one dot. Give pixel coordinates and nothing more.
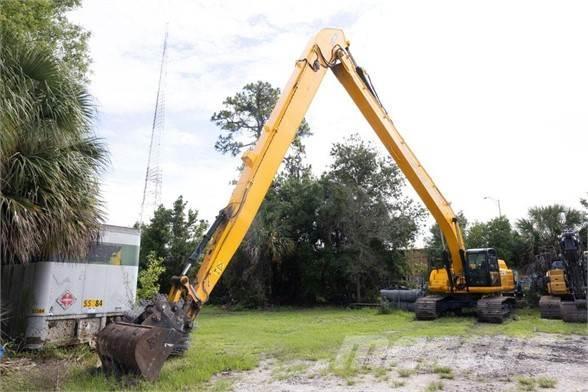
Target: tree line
(333, 238)
(337, 237)
(522, 242)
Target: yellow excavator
(469, 278)
(566, 282)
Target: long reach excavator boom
(329, 49)
(166, 320)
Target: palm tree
(50, 160)
(541, 229)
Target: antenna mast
(153, 175)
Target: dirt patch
(44, 370)
(25, 373)
(482, 363)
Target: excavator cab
(482, 269)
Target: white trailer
(63, 302)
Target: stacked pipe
(400, 298)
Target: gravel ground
(481, 363)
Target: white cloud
(491, 97)
(176, 137)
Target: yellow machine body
(556, 282)
(439, 282)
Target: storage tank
(67, 302)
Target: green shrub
(148, 277)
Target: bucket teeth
(126, 348)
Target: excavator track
(574, 311)
(549, 306)
(494, 309)
(429, 307)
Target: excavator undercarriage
(495, 309)
(490, 309)
(550, 307)
(433, 306)
(574, 311)
(564, 308)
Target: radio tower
(153, 174)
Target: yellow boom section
(328, 49)
(368, 103)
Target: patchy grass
(224, 385)
(405, 373)
(52, 353)
(526, 383)
(236, 341)
(380, 373)
(528, 322)
(51, 366)
(443, 372)
(346, 367)
(434, 386)
(530, 383)
(285, 372)
(546, 382)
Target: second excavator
(566, 282)
(469, 278)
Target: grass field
(233, 341)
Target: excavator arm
(329, 49)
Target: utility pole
(497, 201)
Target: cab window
(476, 261)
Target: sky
(492, 97)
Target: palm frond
(50, 161)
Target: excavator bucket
(126, 348)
